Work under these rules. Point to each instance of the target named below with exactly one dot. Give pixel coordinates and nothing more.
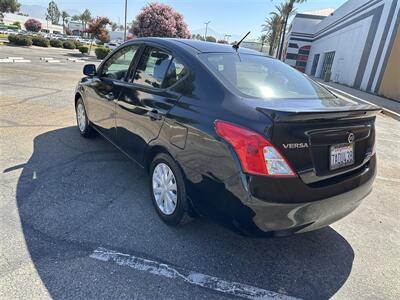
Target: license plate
(341, 156)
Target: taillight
(257, 155)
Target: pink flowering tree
(160, 20)
(33, 25)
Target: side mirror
(89, 70)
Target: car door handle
(110, 96)
(154, 115)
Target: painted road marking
(15, 57)
(198, 279)
(21, 60)
(6, 60)
(74, 60)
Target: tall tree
(53, 13)
(9, 6)
(85, 18)
(64, 17)
(114, 26)
(273, 27)
(97, 28)
(288, 11)
(263, 39)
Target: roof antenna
(236, 46)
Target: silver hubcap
(164, 188)
(81, 117)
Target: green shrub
(22, 40)
(69, 45)
(15, 27)
(12, 38)
(56, 43)
(40, 41)
(77, 44)
(101, 52)
(83, 49)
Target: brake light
(257, 155)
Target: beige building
(390, 84)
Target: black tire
(181, 214)
(87, 130)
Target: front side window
(262, 77)
(118, 65)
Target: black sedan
(228, 133)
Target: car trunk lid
(308, 135)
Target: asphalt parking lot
(76, 218)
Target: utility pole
(205, 35)
(126, 9)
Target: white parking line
(74, 60)
(198, 279)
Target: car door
(105, 88)
(144, 102)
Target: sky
(235, 17)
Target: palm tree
(273, 27)
(85, 18)
(64, 17)
(287, 11)
(263, 38)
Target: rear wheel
(82, 120)
(167, 188)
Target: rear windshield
(260, 76)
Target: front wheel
(167, 188)
(82, 119)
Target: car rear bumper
(280, 219)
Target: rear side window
(175, 72)
(152, 67)
(262, 77)
(158, 69)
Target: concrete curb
(385, 111)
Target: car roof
(197, 46)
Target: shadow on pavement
(75, 195)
